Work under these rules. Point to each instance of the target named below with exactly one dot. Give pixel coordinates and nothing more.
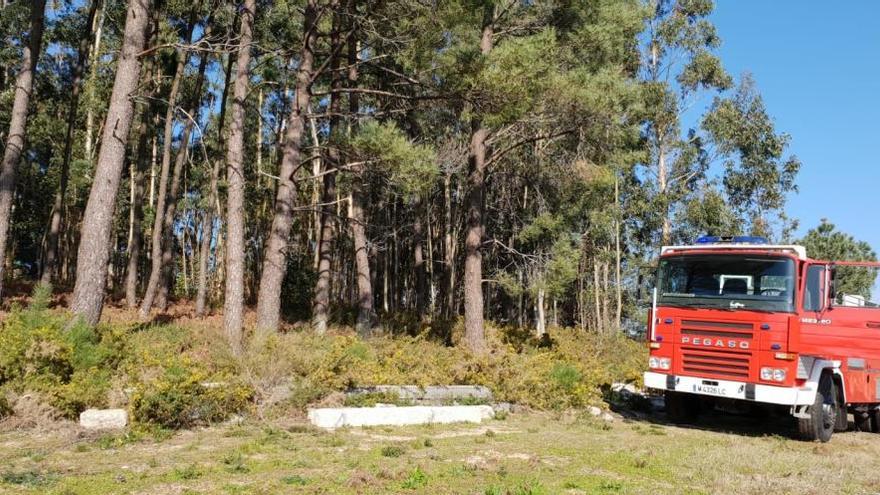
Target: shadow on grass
(751, 419)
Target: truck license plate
(710, 390)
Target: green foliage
(757, 174)
(295, 480)
(565, 376)
(235, 463)
(568, 373)
(184, 394)
(409, 166)
(71, 367)
(415, 479)
(827, 243)
(514, 76)
(393, 450)
(187, 473)
(32, 479)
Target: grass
(537, 453)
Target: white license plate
(710, 390)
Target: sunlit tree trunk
(473, 265)
(275, 258)
(98, 28)
(24, 83)
(95, 243)
(233, 310)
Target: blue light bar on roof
(728, 239)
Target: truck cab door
(850, 335)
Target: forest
(374, 164)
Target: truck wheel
(822, 413)
(874, 414)
(682, 408)
(862, 420)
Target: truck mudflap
(768, 394)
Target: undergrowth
(174, 376)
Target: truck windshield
(731, 282)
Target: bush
(184, 395)
(5, 407)
(71, 367)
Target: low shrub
(183, 394)
(70, 365)
(183, 376)
(5, 407)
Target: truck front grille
(722, 362)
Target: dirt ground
(527, 453)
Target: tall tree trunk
(137, 212)
(50, 267)
(618, 310)
(24, 83)
(180, 162)
(419, 261)
(473, 266)
(164, 199)
(366, 315)
(321, 304)
(97, 27)
(211, 210)
(233, 314)
(95, 243)
(275, 259)
(142, 161)
(662, 186)
(450, 243)
(540, 314)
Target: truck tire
(681, 407)
(822, 413)
(863, 421)
(874, 414)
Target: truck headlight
(773, 374)
(779, 375)
(662, 363)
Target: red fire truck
(737, 320)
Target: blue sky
(817, 66)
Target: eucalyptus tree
(678, 64)
(757, 175)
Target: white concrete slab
(103, 419)
(337, 417)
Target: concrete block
(430, 393)
(397, 416)
(103, 419)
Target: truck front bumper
(768, 394)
